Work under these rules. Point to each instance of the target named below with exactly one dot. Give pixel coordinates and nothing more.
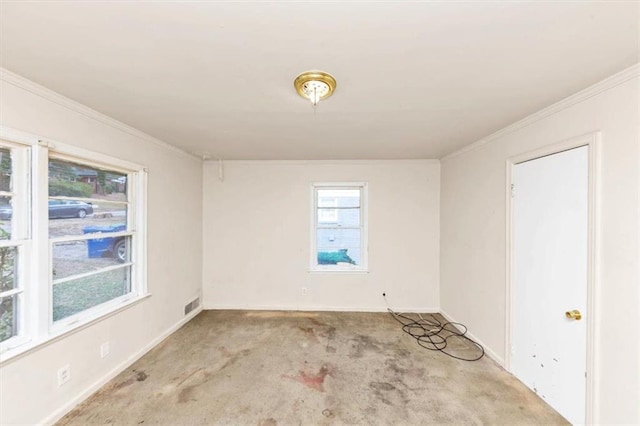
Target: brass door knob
(575, 314)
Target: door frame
(592, 141)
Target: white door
(550, 252)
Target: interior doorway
(551, 199)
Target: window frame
(363, 267)
(37, 326)
(90, 313)
(21, 237)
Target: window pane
(8, 268)
(5, 170)
(335, 246)
(8, 317)
(338, 198)
(78, 295)
(71, 217)
(68, 179)
(328, 216)
(345, 209)
(349, 217)
(78, 257)
(6, 218)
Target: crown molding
(591, 91)
(322, 162)
(55, 97)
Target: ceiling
(415, 79)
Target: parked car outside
(57, 209)
(69, 208)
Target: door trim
(592, 141)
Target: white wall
(257, 227)
(473, 248)
(29, 393)
(256, 244)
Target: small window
(339, 227)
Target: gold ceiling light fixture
(315, 85)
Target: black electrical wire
(435, 335)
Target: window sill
(30, 346)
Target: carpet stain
(188, 384)
(280, 314)
(141, 376)
(309, 333)
(362, 344)
(329, 333)
(185, 394)
(235, 358)
(387, 393)
(225, 352)
(310, 380)
(124, 384)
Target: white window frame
(364, 212)
(20, 237)
(36, 326)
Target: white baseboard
(487, 350)
(62, 411)
(219, 307)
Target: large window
(14, 239)
(339, 227)
(71, 240)
(90, 235)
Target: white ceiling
(415, 79)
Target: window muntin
(339, 236)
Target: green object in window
(334, 257)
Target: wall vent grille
(191, 305)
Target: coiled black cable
(435, 335)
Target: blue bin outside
(97, 247)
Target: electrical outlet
(305, 291)
(64, 375)
(104, 350)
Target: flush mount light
(315, 85)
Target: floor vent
(191, 305)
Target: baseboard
(224, 307)
(62, 411)
(487, 350)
